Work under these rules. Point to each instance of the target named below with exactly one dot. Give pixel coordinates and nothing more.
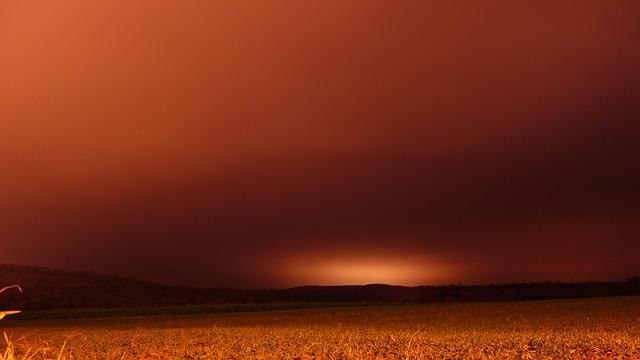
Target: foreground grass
(571, 329)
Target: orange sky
(254, 143)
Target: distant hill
(57, 289)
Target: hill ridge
(47, 288)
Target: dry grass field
(559, 329)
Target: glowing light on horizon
(409, 271)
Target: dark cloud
(246, 144)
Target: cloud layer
(274, 144)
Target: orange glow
(286, 143)
(356, 270)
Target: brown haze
(277, 143)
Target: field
(572, 329)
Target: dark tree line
(54, 289)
